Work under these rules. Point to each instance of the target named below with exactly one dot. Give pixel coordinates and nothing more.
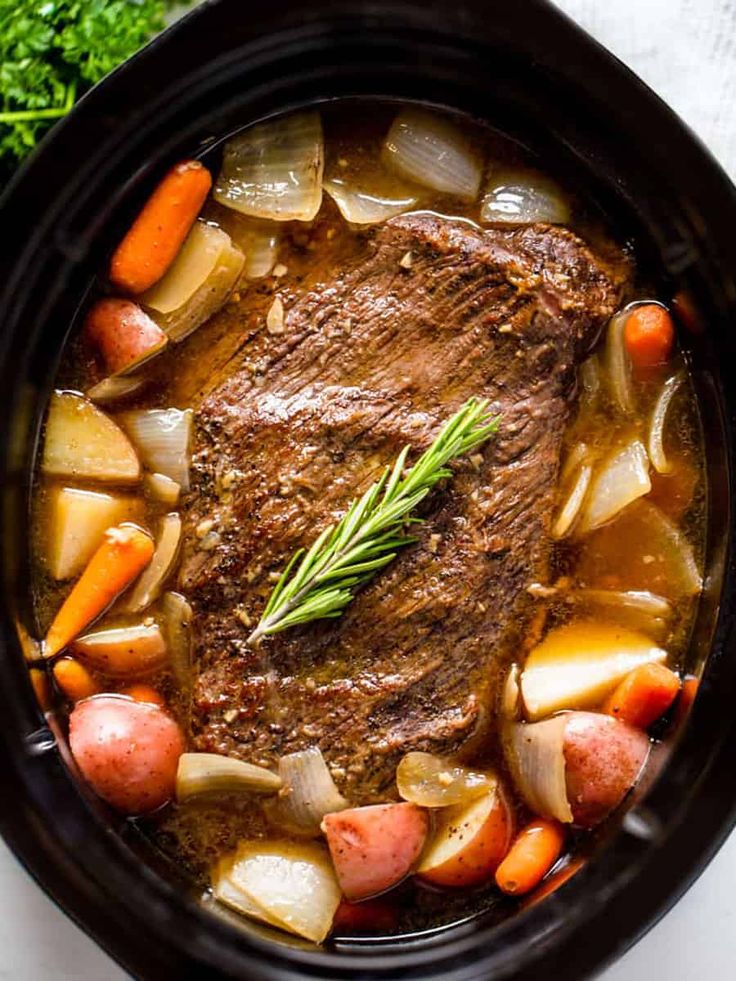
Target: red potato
(373, 848)
(124, 334)
(603, 759)
(127, 751)
(469, 842)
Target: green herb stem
(319, 583)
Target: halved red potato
(603, 759)
(469, 842)
(373, 848)
(127, 751)
(123, 333)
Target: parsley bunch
(51, 51)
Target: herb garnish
(347, 555)
(52, 51)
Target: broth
(629, 568)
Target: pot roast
(378, 354)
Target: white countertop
(686, 50)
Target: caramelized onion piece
(536, 758)
(431, 781)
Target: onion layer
(572, 504)
(308, 793)
(616, 363)
(363, 207)
(274, 170)
(177, 624)
(655, 442)
(537, 760)
(431, 781)
(425, 148)
(152, 579)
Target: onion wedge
(162, 437)
(431, 781)
(619, 481)
(274, 169)
(536, 758)
(616, 363)
(123, 652)
(209, 773)
(308, 793)
(152, 579)
(655, 441)
(423, 147)
(177, 624)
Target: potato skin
(127, 751)
(373, 848)
(123, 333)
(603, 758)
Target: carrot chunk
(144, 693)
(123, 333)
(535, 850)
(649, 335)
(644, 695)
(125, 551)
(74, 679)
(158, 232)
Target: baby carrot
(649, 335)
(124, 552)
(144, 693)
(644, 695)
(74, 679)
(158, 232)
(535, 850)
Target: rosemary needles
(319, 583)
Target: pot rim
(133, 913)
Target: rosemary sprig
(346, 555)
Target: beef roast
(378, 355)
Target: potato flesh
(192, 267)
(288, 884)
(577, 665)
(78, 520)
(206, 300)
(82, 442)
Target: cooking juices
(370, 512)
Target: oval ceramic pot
(527, 70)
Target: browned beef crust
(377, 356)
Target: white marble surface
(686, 50)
